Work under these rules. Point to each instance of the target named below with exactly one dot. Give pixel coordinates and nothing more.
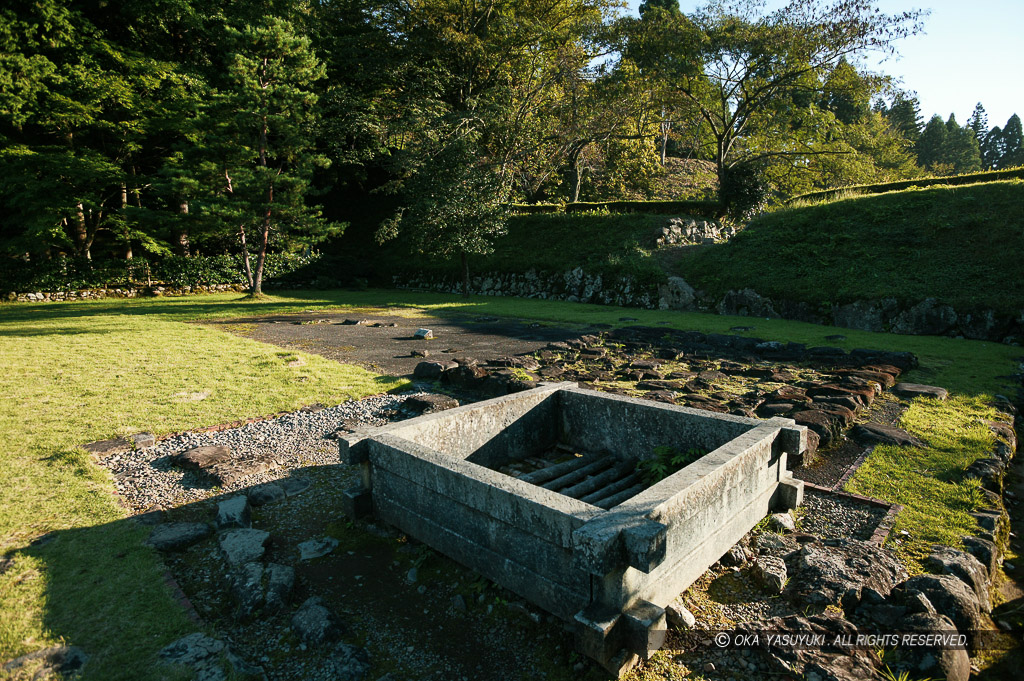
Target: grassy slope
(962, 245)
(614, 244)
(83, 371)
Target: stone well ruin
(570, 525)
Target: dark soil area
(385, 343)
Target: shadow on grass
(105, 593)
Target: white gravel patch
(146, 479)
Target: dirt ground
(377, 345)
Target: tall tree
(753, 77)
(1013, 143)
(932, 143)
(254, 150)
(961, 150)
(993, 149)
(905, 116)
(978, 123)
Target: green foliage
(666, 460)
(70, 274)
(908, 245)
(612, 245)
(744, 191)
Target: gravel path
(831, 516)
(146, 479)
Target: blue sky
(969, 53)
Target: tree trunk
(126, 234)
(245, 259)
(181, 245)
(81, 233)
(257, 287)
(465, 275)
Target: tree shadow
(105, 591)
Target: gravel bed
(146, 479)
(832, 516)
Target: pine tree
(1013, 143)
(960, 149)
(905, 116)
(978, 122)
(931, 142)
(993, 148)
(671, 6)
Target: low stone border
(852, 469)
(179, 594)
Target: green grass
(961, 245)
(76, 372)
(927, 481)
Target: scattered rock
(781, 522)
(679, 616)
(280, 582)
(836, 571)
(177, 536)
(459, 603)
(216, 463)
(144, 440)
(247, 589)
(200, 652)
(430, 403)
(104, 448)
(61, 661)
(912, 390)
(293, 486)
(412, 575)
(878, 434)
(770, 572)
(317, 548)
(423, 334)
(964, 566)
(234, 512)
(267, 493)
(347, 663)
(314, 624)
(432, 370)
(420, 353)
(828, 662)
(948, 596)
(734, 557)
(243, 546)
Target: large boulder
(949, 561)
(177, 536)
(314, 624)
(827, 662)
(948, 596)
(836, 572)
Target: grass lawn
(76, 372)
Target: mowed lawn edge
(79, 572)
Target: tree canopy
(251, 127)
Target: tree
(666, 5)
(905, 116)
(254, 144)
(932, 143)
(993, 149)
(961, 149)
(978, 123)
(753, 78)
(1013, 144)
(454, 205)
